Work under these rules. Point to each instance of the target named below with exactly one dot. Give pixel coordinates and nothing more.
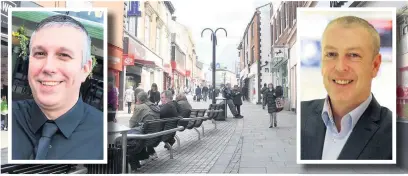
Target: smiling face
(348, 63)
(55, 69)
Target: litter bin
(223, 104)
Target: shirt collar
(350, 119)
(66, 123)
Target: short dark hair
(65, 20)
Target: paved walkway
(244, 146)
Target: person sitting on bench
(168, 109)
(144, 110)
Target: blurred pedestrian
(237, 98)
(270, 99)
(205, 93)
(154, 94)
(198, 93)
(129, 98)
(112, 102)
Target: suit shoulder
(93, 114)
(386, 116)
(311, 103)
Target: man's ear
(86, 69)
(376, 64)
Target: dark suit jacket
(371, 138)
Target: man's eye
(39, 53)
(331, 54)
(64, 55)
(353, 55)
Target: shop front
(402, 86)
(4, 43)
(147, 68)
(179, 77)
(167, 76)
(280, 65)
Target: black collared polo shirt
(80, 134)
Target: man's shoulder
(92, 114)
(140, 107)
(386, 116)
(311, 103)
(23, 104)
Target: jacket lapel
(365, 128)
(316, 132)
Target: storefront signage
(279, 54)
(5, 5)
(128, 60)
(113, 60)
(337, 3)
(134, 9)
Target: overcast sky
(232, 15)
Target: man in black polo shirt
(56, 124)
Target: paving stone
(252, 170)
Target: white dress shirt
(335, 140)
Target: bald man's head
(352, 22)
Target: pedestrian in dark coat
(270, 101)
(237, 98)
(154, 94)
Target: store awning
(94, 29)
(167, 68)
(145, 63)
(178, 72)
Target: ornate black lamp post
(214, 40)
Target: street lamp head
(266, 62)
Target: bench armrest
(210, 111)
(195, 118)
(152, 135)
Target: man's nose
(342, 64)
(50, 65)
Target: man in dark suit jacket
(349, 124)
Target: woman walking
(271, 102)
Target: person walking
(198, 93)
(237, 98)
(130, 98)
(154, 94)
(205, 93)
(270, 99)
(275, 103)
